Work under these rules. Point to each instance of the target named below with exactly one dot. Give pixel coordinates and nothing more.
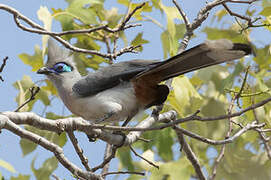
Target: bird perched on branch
(119, 91)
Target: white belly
(120, 100)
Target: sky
(14, 41)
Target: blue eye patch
(62, 67)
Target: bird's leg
(93, 137)
(105, 117)
(111, 109)
(122, 133)
(126, 121)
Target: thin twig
(36, 28)
(190, 154)
(146, 160)
(108, 150)
(129, 15)
(230, 123)
(245, 2)
(222, 151)
(220, 142)
(55, 176)
(185, 18)
(106, 160)
(262, 136)
(124, 172)
(33, 92)
(78, 150)
(250, 22)
(3, 64)
(2, 67)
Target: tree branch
(2, 67)
(108, 150)
(36, 28)
(78, 150)
(146, 160)
(58, 152)
(263, 136)
(107, 159)
(85, 126)
(225, 141)
(189, 154)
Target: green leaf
(23, 87)
(124, 2)
(183, 94)
(48, 167)
(65, 19)
(27, 146)
(35, 61)
(138, 14)
(172, 14)
(80, 10)
(138, 40)
(266, 11)
(50, 136)
(45, 16)
(49, 87)
(164, 144)
(7, 166)
(172, 170)
(142, 164)
(213, 108)
(266, 3)
(232, 34)
(228, 82)
(24, 94)
(170, 34)
(263, 58)
(59, 139)
(112, 17)
(43, 96)
(124, 155)
(240, 163)
(171, 44)
(165, 43)
(21, 177)
(220, 14)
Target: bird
(119, 91)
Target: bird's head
(60, 64)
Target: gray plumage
(117, 92)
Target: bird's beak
(44, 70)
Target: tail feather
(204, 55)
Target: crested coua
(119, 91)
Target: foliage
(204, 89)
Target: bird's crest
(58, 54)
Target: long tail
(203, 55)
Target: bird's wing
(110, 76)
(203, 55)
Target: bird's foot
(123, 138)
(91, 138)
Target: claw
(123, 138)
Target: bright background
(14, 41)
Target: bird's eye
(62, 67)
(59, 68)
